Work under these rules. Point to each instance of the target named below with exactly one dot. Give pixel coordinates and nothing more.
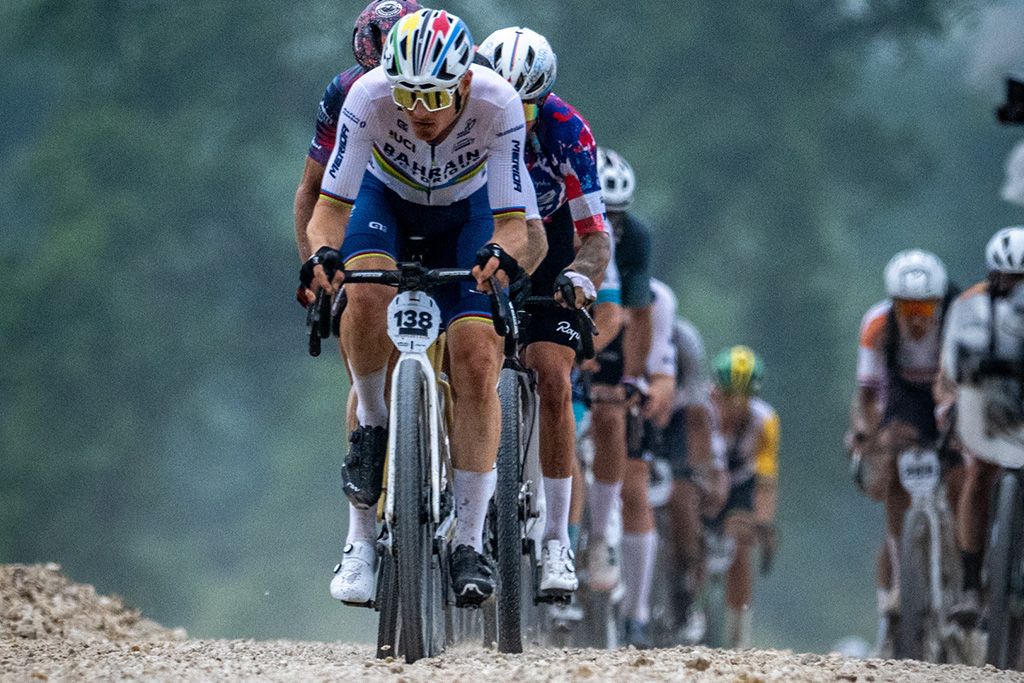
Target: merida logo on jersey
(517, 181)
(353, 118)
(340, 151)
(511, 130)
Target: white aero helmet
(522, 57)
(618, 181)
(915, 274)
(1005, 251)
(427, 50)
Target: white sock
(601, 499)
(638, 555)
(372, 409)
(737, 627)
(473, 491)
(362, 524)
(557, 495)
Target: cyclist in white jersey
(639, 544)
(429, 152)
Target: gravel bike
(518, 507)
(413, 588)
(990, 421)
(930, 573)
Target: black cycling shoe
(471, 577)
(363, 470)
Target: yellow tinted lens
(441, 99)
(529, 111)
(403, 98)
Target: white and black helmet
(618, 182)
(522, 57)
(915, 274)
(1005, 251)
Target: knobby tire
(915, 596)
(412, 528)
(1005, 621)
(507, 514)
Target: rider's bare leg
(474, 353)
(739, 581)
(687, 551)
(553, 363)
(365, 343)
(639, 541)
(608, 426)
(973, 516)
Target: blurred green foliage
(163, 433)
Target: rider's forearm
(512, 235)
(766, 494)
(698, 437)
(537, 245)
(865, 411)
(306, 195)
(636, 344)
(327, 225)
(592, 257)
(608, 318)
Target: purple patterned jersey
(562, 158)
(327, 116)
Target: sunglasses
(433, 100)
(530, 110)
(906, 308)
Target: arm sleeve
(582, 184)
(662, 358)
(509, 187)
(352, 148)
(766, 458)
(634, 251)
(871, 370)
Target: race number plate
(919, 471)
(414, 321)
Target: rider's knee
(474, 370)
(553, 387)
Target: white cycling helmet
(522, 57)
(1005, 251)
(915, 274)
(618, 181)
(427, 50)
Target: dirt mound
(38, 602)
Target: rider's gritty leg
(553, 363)
(608, 425)
(973, 516)
(639, 541)
(474, 352)
(365, 340)
(739, 582)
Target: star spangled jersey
(326, 129)
(485, 148)
(562, 158)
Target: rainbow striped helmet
(738, 370)
(427, 50)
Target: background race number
(919, 471)
(414, 321)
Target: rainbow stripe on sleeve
(336, 199)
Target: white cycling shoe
(355, 578)
(602, 566)
(557, 569)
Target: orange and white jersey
(918, 358)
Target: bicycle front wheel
(1006, 577)
(508, 529)
(413, 530)
(914, 634)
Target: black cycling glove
(506, 263)
(327, 257)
